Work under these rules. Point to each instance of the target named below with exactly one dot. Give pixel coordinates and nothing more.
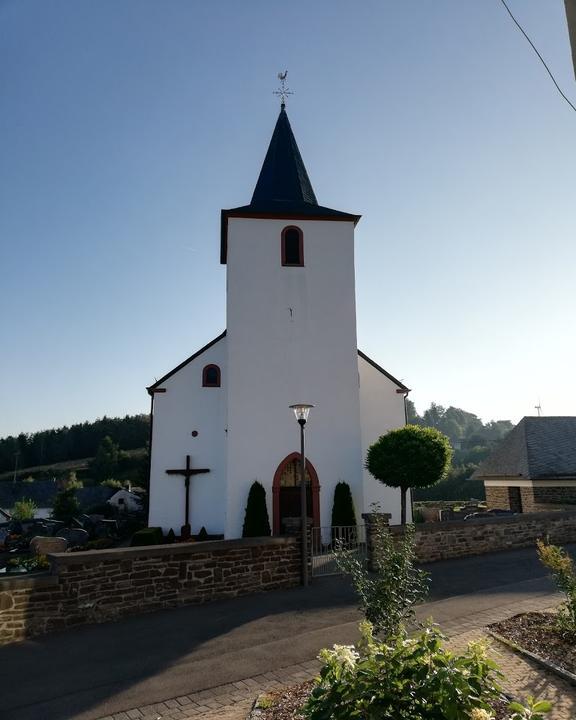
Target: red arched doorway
(286, 491)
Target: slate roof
(283, 188)
(537, 448)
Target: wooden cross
(187, 472)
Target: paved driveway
(99, 670)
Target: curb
(557, 670)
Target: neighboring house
(124, 500)
(534, 467)
(290, 337)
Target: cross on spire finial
(283, 91)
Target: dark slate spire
(283, 190)
(283, 177)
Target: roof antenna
(539, 408)
(282, 91)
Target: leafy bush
(24, 509)
(387, 594)
(31, 564)
(256, 523)
(563, 571)
(147, 536)
(66, 506)
(72, 483)
(409, 678)
(111, 483)
(534, 710)
(343, 514)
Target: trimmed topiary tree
(412, 456)
(343, 513)
(256, 523)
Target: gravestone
(44, 545)
(74, 536)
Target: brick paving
(233, 701)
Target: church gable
(157, 386)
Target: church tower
(291, 337)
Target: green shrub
(343, 514)
(256, 523)
(170, 537)
(410, 678)
(563, 571)
(66, 506)
(24, 509)
(148, 536)
(387, 595)
(36, 563)
(112, 483)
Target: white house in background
(290, 337)
(124, 500)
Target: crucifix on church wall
(187, 473)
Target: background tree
(66, 506)
(411, 456)
(105, 463)
(343, 514)
(256, 523)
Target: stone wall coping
(24, 582)
(127, 553)
(496, 520)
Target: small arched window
(292, 247)
(211, 376)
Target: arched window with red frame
(292, 247)
(211, 376)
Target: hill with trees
(472, 441)
(74, 442)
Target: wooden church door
(286, 492)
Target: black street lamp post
(301, 411)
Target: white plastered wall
(291, 338)
(184, 407)
(381, 410)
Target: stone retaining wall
(101, 585)
(462, 538)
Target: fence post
(374, 522)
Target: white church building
(290, 338)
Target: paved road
(102, 669)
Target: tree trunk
(403, 506)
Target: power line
(538, 54)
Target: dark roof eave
(150, 389)
(384, 372)
(313, 212)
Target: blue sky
(126, 125)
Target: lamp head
(301, 411)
